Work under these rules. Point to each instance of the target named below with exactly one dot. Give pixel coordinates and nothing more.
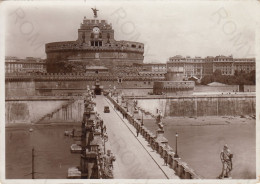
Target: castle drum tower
(95, 46)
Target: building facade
(95, 45)
(27, 65)
(244, 64)
(225, 64)
(155, 67)
(208, 65)
(199, 67)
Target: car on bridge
(106, 109)
(105, 93)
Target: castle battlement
(90, 23)
(81, 76)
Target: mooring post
(33, 163)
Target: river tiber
(95, 106)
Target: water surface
(52, 152)
(200, 147)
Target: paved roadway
(134, 157)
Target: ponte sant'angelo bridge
(137, 157)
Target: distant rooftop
(216, 84)
(221, 56)
(154, 63)
(96, 68)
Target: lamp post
(114, 92)
(117, 98)
(176, 154)
(122, 99)
(127, 106)
(109, 90)
(142, 119)
(105, 140)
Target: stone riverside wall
(41, 88)
(249, 88)
(19, 88)
(227, 88)
(69, 112)
(205, 88)
(33, 110)
(213, 105)
(180, 167)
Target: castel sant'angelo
(95, 46)
(97, 60)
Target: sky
(167, 28)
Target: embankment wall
(35, 110)
(19, 88)
(215, 105)
(70, 112)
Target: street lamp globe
(176, 150)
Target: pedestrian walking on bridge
(137, 132)
(165, 159)
(101, 123)
(105, 128)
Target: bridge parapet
(96, 161)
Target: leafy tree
(207, 79)
(251, 77)
(217, 73)
(239, 78)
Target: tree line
(239, 78)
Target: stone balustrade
(92, 140)
(181, 168)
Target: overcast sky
(166, 28)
